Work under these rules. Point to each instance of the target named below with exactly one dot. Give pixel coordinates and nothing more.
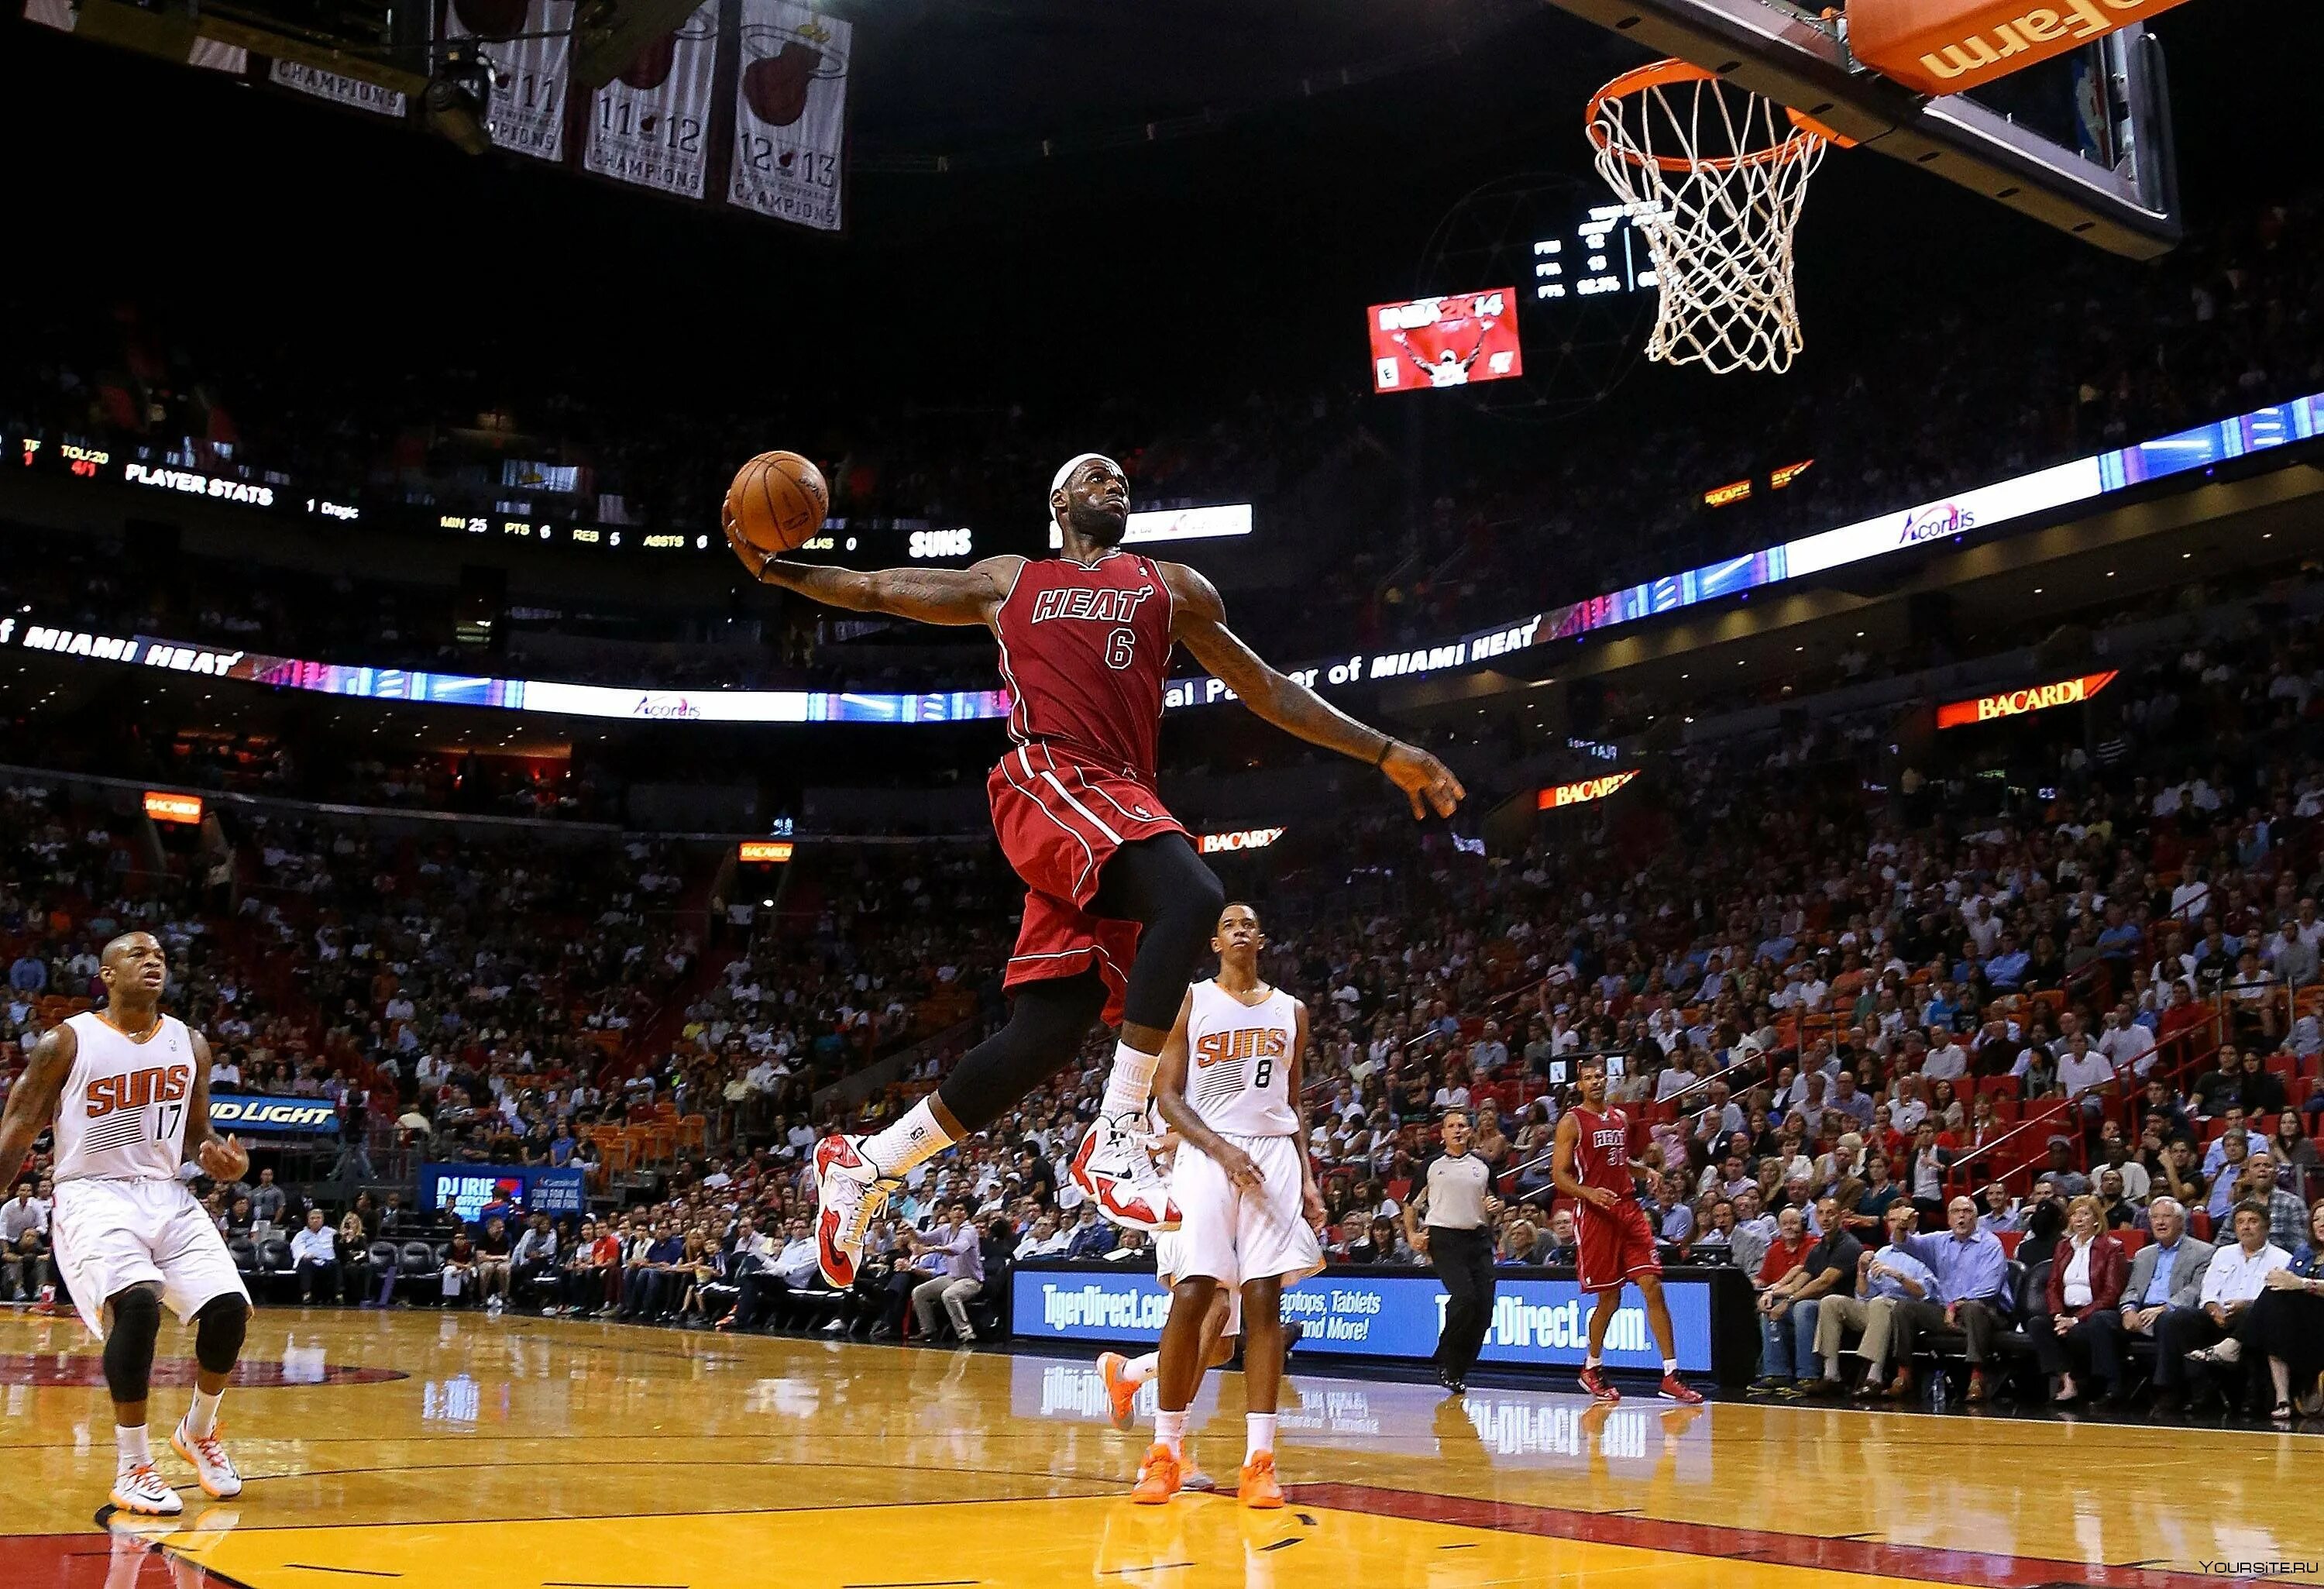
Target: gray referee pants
(1463, 1261)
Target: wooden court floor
(412, 1449)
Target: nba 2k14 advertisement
(791, 114)
(649, 125)
(1449, 341)
(529, 46)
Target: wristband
(1387, 743)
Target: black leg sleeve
(1046, 1023)
(1161, 885)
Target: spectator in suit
(314, 1253)
(2081, 1310)
(2287, 1326)
(1091, 1236)
(2236, 1276)
(2168, 1271)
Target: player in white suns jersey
(1228, 1086)
(128, 1093)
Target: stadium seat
(2132, 1238)
(418, 1266)
(2009, 1240)
(275, 1263)
(246, 1257)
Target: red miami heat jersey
(1084, 650)
(1601, 1150)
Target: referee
(1458, 1239)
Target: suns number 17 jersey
(1239, 1062)
(122, 1115)
(1085, 651)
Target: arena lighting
(1249, 839)
(1979, 509)
(760, 851)
(2016, 703)
(1579, 793)
(455, 103)
(173, 808)
(1159, 524)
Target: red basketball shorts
(1059, 820)
(1613, 1245)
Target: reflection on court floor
(535, 1455)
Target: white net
(1713, 177)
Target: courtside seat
(246, 1257)
(417, 1265)
(275, 1263)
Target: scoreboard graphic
(1453, 340)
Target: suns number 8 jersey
(1239, 1062)
(122, 1115)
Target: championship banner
(650, 125)
(529, 73)
(301, 79)
(791, 114)
(207, 53)
(2016, 703)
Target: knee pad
(129, 1343)
(219, 1330)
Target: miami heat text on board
(1447, 341)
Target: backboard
(2081, 142)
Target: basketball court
(521, 1454)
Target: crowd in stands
(2059, 984)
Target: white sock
(1130, 1086)
(201, 1418)
(1139, 1370)
(1170, 1430)
(1670, 1366)
(1591, 1361)
(135, 1449)
(906, 1143)
(1259, 1434)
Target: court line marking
(354, 1572)
(568, 1584)
(1159, 1567)
(922, 1583)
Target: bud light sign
(1373, 1313)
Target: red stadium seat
(2132, 1239)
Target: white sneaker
(140, 1490)
(1196, 1478)
(848, 1194)
(209, 1462)
(1114, 1168)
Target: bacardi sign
(1587, 789)
(1249, 839)
(2016, 703)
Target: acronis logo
(1933, 522)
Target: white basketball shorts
(1170, 1252)
(112, 1234)
(1235, 1236)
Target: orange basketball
(778, 501)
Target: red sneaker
(1594, 1381)
(849, 1196)
(1675, 1388)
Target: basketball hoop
(1713, 177)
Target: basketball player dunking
(1118, 907)
(1590, 1163)
(129, 1092)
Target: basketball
(778, 500)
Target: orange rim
(1806, 132)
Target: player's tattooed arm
(222, 1159)
(1199, 623)
(962, 597)
(33, 1101)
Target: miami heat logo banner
(791, 114)
(528, 71)
(650, 125)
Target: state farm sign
(2016, 703)
(1948, 46)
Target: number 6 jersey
(1239, 1062)
(122, 1115)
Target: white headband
(1075, 462)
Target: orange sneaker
(1158, 1477)
(1259, 1487)
(1120, 1392)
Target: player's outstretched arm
(962, 597)
(33, 1101)
(1200, 624)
